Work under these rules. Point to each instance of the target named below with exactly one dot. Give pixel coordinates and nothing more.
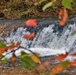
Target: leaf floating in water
(29, 36)
(63, 16)
(31, 22)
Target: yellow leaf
(35, 58)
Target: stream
(48, 35)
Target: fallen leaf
(26, 61)
(63, 16)
(31, 22)
(29, 36)
(13, 45)
(61, 57)
(56, 69)
(35, 59)
(13, 60)
(43, 66)
(2, 50)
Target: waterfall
(50, 35)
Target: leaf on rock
(35, 58)
(31, 22)
(13, 45)
(2, 50)
(61, 57)
(29, 36)
(63, 17)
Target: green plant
(65, 3)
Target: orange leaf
(61, 57)
(63, 16)
(29, 36)
(13, 45)
(2, 50)
(17, 44)
(31, 22)
(56, 69)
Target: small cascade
(48, 35)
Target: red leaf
(29, 36)
(63, 16)
(31, 22)
(61, 57)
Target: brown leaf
(13, 60)
(43, 66)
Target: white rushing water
(49, 40)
